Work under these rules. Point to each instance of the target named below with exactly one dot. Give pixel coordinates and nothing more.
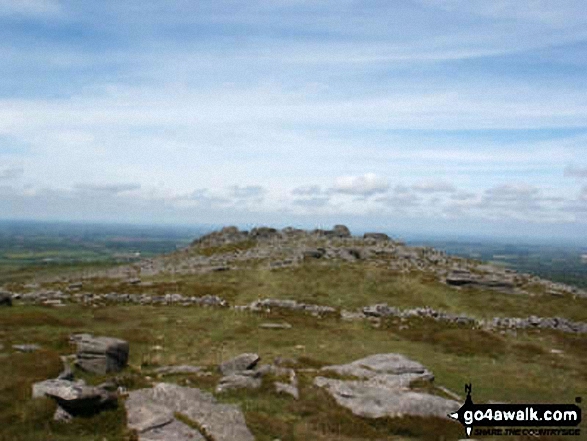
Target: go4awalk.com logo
(518, 419)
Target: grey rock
(286, 388)
(237, 381)
(26, 347)
(101, 355)
(181, 369)
(382, 388)
(239, 363)
(371, 400)
(150, 410)
(391, 364)
(76, 398)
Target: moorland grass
(508, 367)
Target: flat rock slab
(151, 411)
(382, 388)
(371, 400)
(391, 364)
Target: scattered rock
(151, 412)
(101, 355)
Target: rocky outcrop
(151, 412)
(382, 388)
(100, 355)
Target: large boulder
(5, 298)
(101, 355)
(151, 412)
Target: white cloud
(365, 185)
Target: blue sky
(455, 116)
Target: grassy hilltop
(133, 301)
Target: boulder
(75, 398)
(151, 412)
(239, 363)
(101, 355)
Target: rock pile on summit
(231, 248)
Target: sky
(433, 117)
